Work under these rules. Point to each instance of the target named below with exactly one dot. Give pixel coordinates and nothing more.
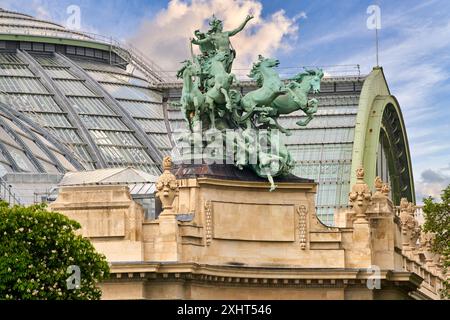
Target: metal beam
(16, 137)
(59, 146)
(64, 104)
(10, 158)
(128, 120)
(39, 143)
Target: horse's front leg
(211, 107)
(227, 98)
(306, 121)
(313, 105)
(235, 79)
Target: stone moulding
(252, 276)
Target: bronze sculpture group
(210, 100)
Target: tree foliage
(36, 249)
(437, 221)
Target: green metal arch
(375, 98)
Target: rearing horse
(191, 97)
(270, 85)
(218, 85)
(297, 98)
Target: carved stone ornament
(167, 187)
(385, 189)
(409, 225)
(382, 189)
(378, 185)
(360, 197)
(208, 222)
(302, 212)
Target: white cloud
(431, 183)
(165, 38)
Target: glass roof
(17, 23)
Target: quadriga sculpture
(209, 102)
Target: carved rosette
(360, 197)
(302, 212)
(208, 222)
(167, 187)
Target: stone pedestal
(108, 216)
(223, 235)
(383, 230)
(167, 242)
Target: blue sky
(414, 49)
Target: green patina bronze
(208, 101)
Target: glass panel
(106, 123)
(157, 126)
(131, 93)
(315, 136)
(143, 110)
(21, 159)
(35, 148)
(34, 103)
(61, 73)
(4, 169)
(27, 85)
(160, 140)
(117, 78)
(90, 106)
(47, 60)
(74, 88)
(6, 138)
(6, 58)
(15, 70)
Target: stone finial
(360, 197)
(409, 225)
(167, 187)
(378, 184)
(382, 189)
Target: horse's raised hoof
(288, 133)
(273, 187)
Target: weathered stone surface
(244, 242)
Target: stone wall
(243, 242)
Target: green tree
(437, 221)
(36, 249)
